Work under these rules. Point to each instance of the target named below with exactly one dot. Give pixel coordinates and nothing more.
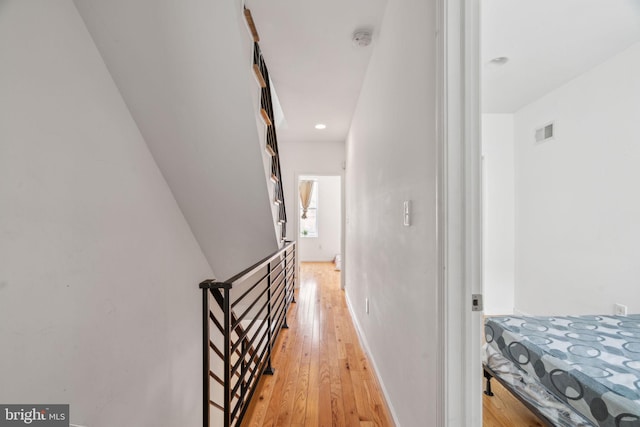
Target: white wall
(327, 245)
(577, 199)
(391, 157)
(498, 205)
(99, 305)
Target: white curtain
(305, 187)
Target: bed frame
(489, 374)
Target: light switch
(407, 213)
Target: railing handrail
(244, 349)
(247, 271)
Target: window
(309, 225)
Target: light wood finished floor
(504, 410)
(322, 376)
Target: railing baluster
(227, 357)
(285, 325)
(269, 368)
(205, 357)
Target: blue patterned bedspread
(592, 363)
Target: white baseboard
(367, 350)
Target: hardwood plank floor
(504, 410)
(322, 375)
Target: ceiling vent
(545, 133)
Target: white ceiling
(316, 70)
(548, 42)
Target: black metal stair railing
(242, 317)
(266, 104)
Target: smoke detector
(362, 38)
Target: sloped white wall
(99, 305)
(391, 157)
(498, 216)
(256, 93)
(182, 69)
(577, 203)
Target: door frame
(459, 211)
(296, 225)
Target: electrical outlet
(619, 310)
(366, 305)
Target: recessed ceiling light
(321, 126)
(500, 60)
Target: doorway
(318, 224)
(560, 235)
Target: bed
(570, 371)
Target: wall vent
(545, 133)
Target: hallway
(322, 376)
